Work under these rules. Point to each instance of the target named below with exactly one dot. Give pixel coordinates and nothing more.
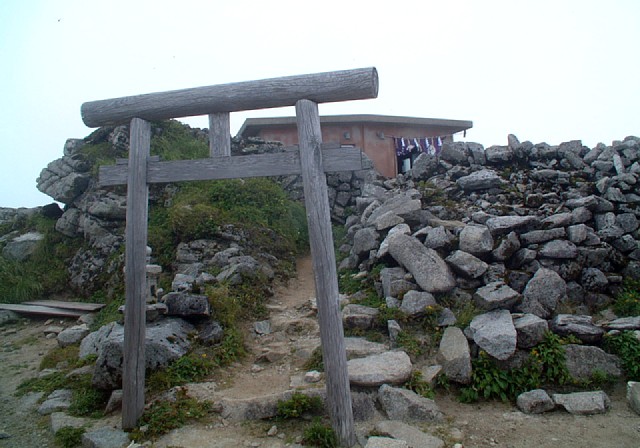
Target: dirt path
(21, 349)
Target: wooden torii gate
(304, 92)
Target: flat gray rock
(410, 434)
(385, 442)
(404, 404)
(583, 403)
(502, 225)
(583, 361)
(624, 323)
(384, 368)
(72, 335)
(359, 316)
(580, 326)
(494, 333)
(466, 264)
(479, 180)
(496, 295)
(105, 438)
(559, 249)
(360, 347)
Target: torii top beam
(344, 85)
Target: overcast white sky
(545, 70)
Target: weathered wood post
(324, 268)
(135, 273)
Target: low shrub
(164, 415)
(627, 346)
(298, 405)
(319, 434)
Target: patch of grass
(109, 313)
(315, 361)
(69, 437)
(410, 344)
(627, 347)
(418, 385)
(163, 416)
(45, 271)
(627, 302)
(45, 384)
(87, 401)
(57, 355)
(189, 368)
(298, 405)
(319, 434)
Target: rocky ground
(273, 364)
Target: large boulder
(384, 368)
(476, 240)
(405, 405)
(166, 341)
(543, 293)
(494, 333)
(22, 247)
(584, 361)
(428, 269)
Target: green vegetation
(257, 208)
(298, 405)
(86, 401)
(69, 437)
(315, 361)
(189, 368)
(546, 365)
(627, 302)
(164, 415)
(45, 271)
(627, 346)
(319, 434)
(418, 385)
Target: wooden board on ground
(78, 306)
(41, 310)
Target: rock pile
(537, 237)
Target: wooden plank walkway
(55, 308)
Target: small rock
(313, 376)
(272, 431)
(535, 402)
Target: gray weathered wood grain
(219, 134)
(275, 164)
(324, 269)
(343, 85)
(135, 274)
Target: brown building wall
(376, 140)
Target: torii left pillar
(135, 282)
